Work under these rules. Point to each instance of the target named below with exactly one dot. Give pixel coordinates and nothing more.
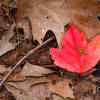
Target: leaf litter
(56, 85)
(5, 45)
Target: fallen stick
(21, 60)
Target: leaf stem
(78, 79)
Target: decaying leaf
(18, 93)
(39, 88)
(3, 69)
(5, 45)
(86, 90)
(62, 88)
(14, 78)
(44, 15)
(34, 70)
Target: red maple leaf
(76, 55)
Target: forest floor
(37, 77)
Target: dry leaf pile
(35, 78)
(31, 83)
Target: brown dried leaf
(34, 70)
(4, 69)
(62, 88)
(14, 78)
(37, 88)
(44, 15)
(5, 45)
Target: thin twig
(21, 60)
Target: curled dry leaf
(44, 15)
